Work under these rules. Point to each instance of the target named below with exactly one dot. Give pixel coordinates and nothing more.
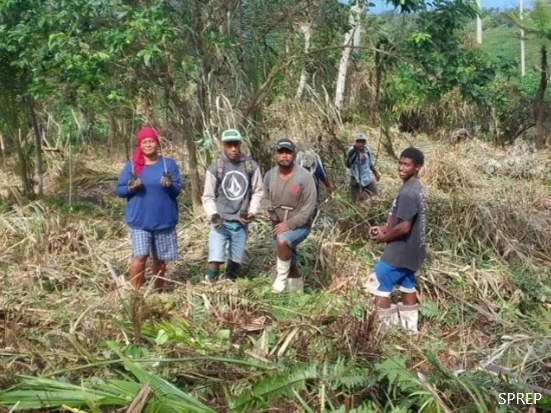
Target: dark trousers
(356, 190)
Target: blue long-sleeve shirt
(152, 207)
(360, 169)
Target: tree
(538, 22)
(431, 61)
(355, 26)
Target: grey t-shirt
(409, 205)
(297, 192)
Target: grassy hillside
(501, 38)
(72, 335)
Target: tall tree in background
(17, 107)
(432, 61)
(355, 19)
(538, 22)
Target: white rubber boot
(409, 316)
(282, 269)
(295, 285)
(389, 316)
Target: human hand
(377, 175)
(246, 217)
(166, 180)
(134, 183)
(377, 233)
(280, 228)
(217, 220)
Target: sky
(380, 5)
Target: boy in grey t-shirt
(404, 234)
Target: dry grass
(63, 294)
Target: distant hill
(500, 37)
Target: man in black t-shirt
(404, 235)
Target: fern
(348, 375)
(395, 371)
(272, 386)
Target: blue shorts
(161, 244)
(292, 238)
(228, 241)
(385, 277)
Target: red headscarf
(138, 160)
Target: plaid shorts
(161, 244)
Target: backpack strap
(219, 169)
(368, 153)
(249, 167)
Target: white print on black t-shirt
(422, 217)
(235, 185)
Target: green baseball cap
(230, 135)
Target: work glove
(134, 183)
(246, 217)
(217, 220)
(166, 180)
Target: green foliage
(169, 397)
(395, 371)
(437, 62)
(271, 386)
(535, 287)
(36, 393)
(328, 378)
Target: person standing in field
(151, 184)
(231, 198)
(290, 199)
(405, 251)
(362, 169)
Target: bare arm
(385, 234)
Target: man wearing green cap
(231, 198)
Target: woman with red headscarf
(150, 183)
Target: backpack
(308, 160)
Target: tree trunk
(38, 147)
(182, 106)
(23, 165)
(539, 102)
(306, 29)
(195, 186)
(355, 19)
